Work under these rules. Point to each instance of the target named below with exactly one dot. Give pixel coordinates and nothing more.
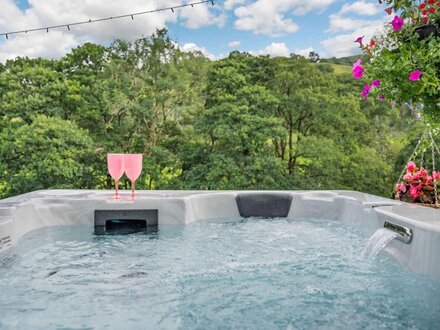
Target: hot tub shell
(21, 214)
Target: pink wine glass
(133, 168)
(115, 164)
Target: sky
(267, 27)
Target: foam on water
(256, 274)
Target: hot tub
(226, 259)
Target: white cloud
(201, 15)
(53, 45)
(275, 49)
(192, 47)
(57, 42)
(234, 43)
(230, 4)
(343, 44)
(269, 17)
(341, 23)
(303, 7)
(304, 52)
(361, 8)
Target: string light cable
(132, 15)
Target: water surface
(256, 274)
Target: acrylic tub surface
(22, 214)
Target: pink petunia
(359, 40)
(415, 75)
(366, 91)
(358, 70)
(397, 23)
(376, 83)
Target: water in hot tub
(253, 274)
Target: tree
(326, 129)
(237, 125)
(314, 57)
(31, 87)
(243, 122)
(45, 154)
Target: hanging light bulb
(6, 34)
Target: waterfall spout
(383, 236)
(405, 234)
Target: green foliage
(347, 61)
(48, 153)
(237, 125)
(398, 53)
(243, 122)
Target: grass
(341, 69)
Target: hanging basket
(428, 205)
(426, 30)
(417, 185)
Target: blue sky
(274, 27)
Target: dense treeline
(242, 122)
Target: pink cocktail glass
(133, 168)
(115, 164)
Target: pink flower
(401, 187)
(411, 167)
(358, 69)
(417, 176)
(366, 91)
(435, 175)
(413, 191)
(382, 97)
(407, 177)
(424, 173)
(359, 40)
(415, 75)
(393, 103)
(429, 180)
(397, 23)
(376, 83)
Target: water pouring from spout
(377, 243)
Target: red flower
(424, 13)
(372, 43)
(425, 20)
(431, 1)
(432, 10)
(422, 6)
(389, 10)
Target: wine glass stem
(116, 191)
(132, 189)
